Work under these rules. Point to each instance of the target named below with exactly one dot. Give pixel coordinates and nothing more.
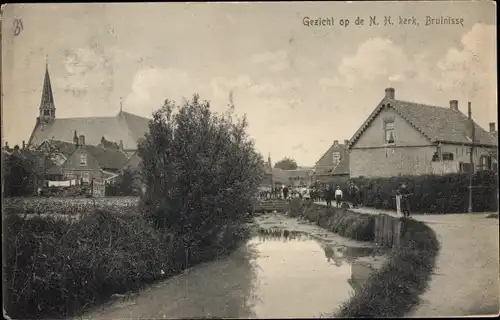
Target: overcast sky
(301, 87)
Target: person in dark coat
(354, 192)
(285, 192)
(405, 193)
(328, 195)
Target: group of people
(330, 194)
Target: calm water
(278, 274)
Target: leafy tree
(286, 164)
(200, 170)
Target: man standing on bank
(404, 193)
(338, 197)
(328, 195)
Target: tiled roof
(341, 169)
(133, 162)
(107, 158)
(438, 124)
(125, 126)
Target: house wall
(461, 153)
(411, 153)
(73, 168)
(389, 162)
(406, 134)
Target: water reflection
(292, 269)
(277, 274)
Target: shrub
(55, 268)
(200, 170)
(338, 220)
(395, 289)
(432, 193)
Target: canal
(288, 269)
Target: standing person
(285, 192)
(404, 192)
(338, 196)
(354, 193)
(307, 193)
(328, 195)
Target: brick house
(407, 138)
(86, 162)
(333, 166)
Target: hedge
(432, 193)
(341, 221)
(56, 268)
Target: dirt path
(466, 278)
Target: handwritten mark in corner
(17, 27)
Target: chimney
(454, 105)
(121, 145)
(469, 110)
(24, 144)
(492, 127)
(335, 142)
(390, 93)
(75, 139)
(81, 140)
(346, 142)
(6, 145)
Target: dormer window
(46, 112)
(390, 132)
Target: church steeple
(47, 107)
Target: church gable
(124, 129)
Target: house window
(390, 132)
(86, 176)
(336, 157)
(465, 167)
(447, 156)
(70, 175)
(485, 163)
(46, 112)
(83, 159)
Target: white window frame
(83, 160)
(392, 128)
(336, 157)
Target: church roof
(124, 126)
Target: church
(124, 129)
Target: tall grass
(54, 268)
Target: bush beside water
(432, 193)
(395, 289)
(201, 172)
(341, 221)
(55, 268)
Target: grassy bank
(395, 289)
(344, 222)
(54, 268)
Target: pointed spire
(47, 101)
